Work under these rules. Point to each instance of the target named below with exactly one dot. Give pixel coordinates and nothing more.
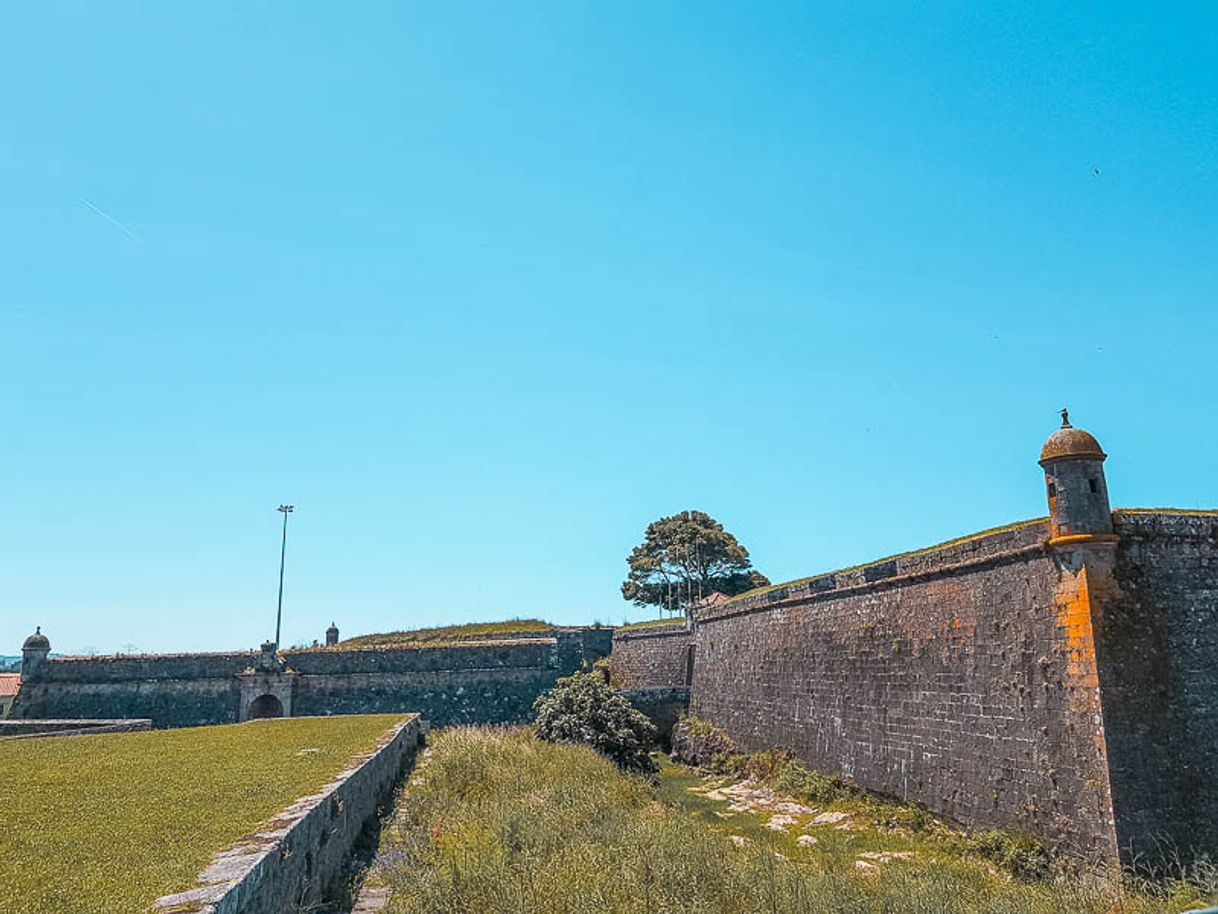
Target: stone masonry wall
(651, 657)
(23, 729)
(501, 696)
(167, 702)
(1158, 662)
(962, 678)
(480, 682)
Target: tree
(686, 557)
(583, 709)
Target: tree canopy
(684, 558)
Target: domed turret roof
(37, 641)
(332, 628)
(1069, 441)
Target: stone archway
(265, 706)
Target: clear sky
(484, 288)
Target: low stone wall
(298, 861)
(21, 729)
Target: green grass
(111, 822)
(1186, 512)
(495, 821)
(678, 622)
(445, 633)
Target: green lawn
(109, 823)
(496, 822)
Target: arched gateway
(265, 706)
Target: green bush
(603, 666)
(1021, 855)
(583, 709)
(808, 785)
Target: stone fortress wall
(652, 657)
(1058, 676)
(480, 681)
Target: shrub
(1021, 855)
(808, 785)
(703, 745)
(603, 666)
(583, 709)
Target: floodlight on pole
(285, 510)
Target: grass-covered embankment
(475, 631)
(495, 821)
(111, 822)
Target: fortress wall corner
(1158, 665)
(651, 657)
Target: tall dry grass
(495, 821)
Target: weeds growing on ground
(497, 821)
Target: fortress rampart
(1058, 675)
(651, 657)
(480, 681)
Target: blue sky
(484, 288)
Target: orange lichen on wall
(1074, 616)
(1076, 608)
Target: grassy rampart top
(913, 553)
(1180, 512)
(112, 822)
(675, 624)
(450, 634)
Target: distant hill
(10, 664)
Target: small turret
(332, 635)
(1078, 493)
(34, 653)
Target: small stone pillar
(332, 635)
(268, 660)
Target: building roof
(37, 641)
(9, 684)
(1069, 441)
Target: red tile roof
(9, 683)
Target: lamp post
(283, 551)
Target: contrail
(105, 215)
